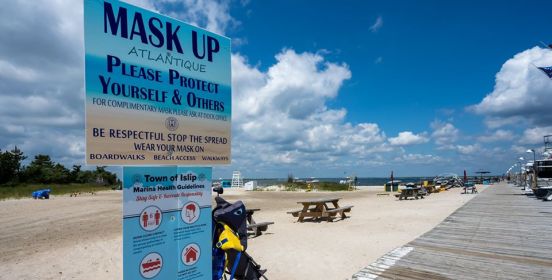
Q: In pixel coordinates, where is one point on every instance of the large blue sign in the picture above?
(158, 90)
(167, 223)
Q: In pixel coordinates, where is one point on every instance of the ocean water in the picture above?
(361, 181)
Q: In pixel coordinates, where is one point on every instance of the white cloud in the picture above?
(535, 135)
(497, 122)
(10, 71)
(468, 149)
(418, 159)
(238, 42)
(499, 135)
(517, 149)
(298, 85)
(146, 4)
(521, 92)
(447, 112)
(280, 115)
(406, 138)
(211, 15)
(444, 133)
(377, 25)
(521, 98)
(41, 78)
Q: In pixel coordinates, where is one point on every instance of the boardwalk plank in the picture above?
(497, 235)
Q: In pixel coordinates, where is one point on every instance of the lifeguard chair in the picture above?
(237, 181)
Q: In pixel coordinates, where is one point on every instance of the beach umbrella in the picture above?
(465, 176)
(392, 179)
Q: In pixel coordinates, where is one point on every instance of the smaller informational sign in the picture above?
(167, 223)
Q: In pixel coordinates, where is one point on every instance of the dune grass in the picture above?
(26, 190)
(321, 186)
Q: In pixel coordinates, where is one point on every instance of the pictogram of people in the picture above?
(157, 217)
(150, 218)
(145, 219)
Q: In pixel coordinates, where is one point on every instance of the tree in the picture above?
(43, 170)
(86, 176)
(100, 169)
(6, 174)
(60, 174)
(10, 165)
(105, 177)
(18, 158)
(74, 174)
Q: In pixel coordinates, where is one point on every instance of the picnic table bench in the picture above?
(255, 228)
(327, 208)
(469, 187)
(411, 192)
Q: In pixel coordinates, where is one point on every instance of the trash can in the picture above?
(392, 188)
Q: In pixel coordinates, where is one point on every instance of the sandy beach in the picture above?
(80, 238)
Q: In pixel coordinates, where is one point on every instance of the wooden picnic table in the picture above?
(321, 208)
(411, 192)
(256, 228)
(250, 213)
(469, 189)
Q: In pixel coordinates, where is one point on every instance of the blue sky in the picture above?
(434, 54)
(320, 88)
(412, 63)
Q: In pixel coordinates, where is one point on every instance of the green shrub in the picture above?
(332, 186)
(26, 190)
(321, 186)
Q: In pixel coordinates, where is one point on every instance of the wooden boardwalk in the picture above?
(500, 234)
